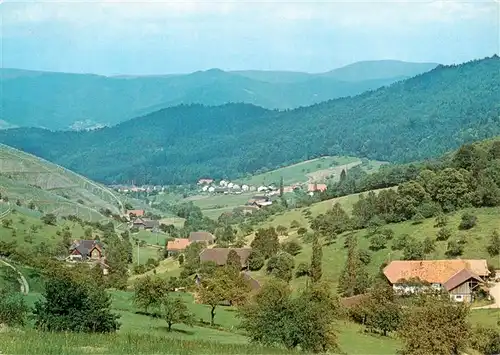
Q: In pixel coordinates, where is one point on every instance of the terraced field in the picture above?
(52, 188)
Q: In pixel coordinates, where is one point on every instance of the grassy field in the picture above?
(303, 172)
(21, 231)
(51, 187)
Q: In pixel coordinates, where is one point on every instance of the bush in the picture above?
(256, 260)
(454, 249)
(49, 219)
(74, 305)
(294, 224)
(13, 309)
(441, 221)
(468, 221)
(486, 340)
(281, 266)
(365, 256)
(418, 218)
(377, 242)
(400, 242)
(302, 270)
(443, 234)
(292, 247)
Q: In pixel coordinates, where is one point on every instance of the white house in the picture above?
(211, 189)
(245, 187)
(223, 183)
(230, 185)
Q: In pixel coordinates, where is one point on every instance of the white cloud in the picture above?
(150, 16)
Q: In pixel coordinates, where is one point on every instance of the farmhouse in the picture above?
(219, 255)
(201, 237)
(137, 213)
(205, 181)
(457, 277)
(245, 209)
(147, 224)
(316, 187)
(176, 246)
(83, 250)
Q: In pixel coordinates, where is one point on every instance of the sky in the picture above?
(111, 37)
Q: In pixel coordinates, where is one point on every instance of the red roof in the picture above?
(137, 213)
(178, 244)
(433, 271)
(316, 187)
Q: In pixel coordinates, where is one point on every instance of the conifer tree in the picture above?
(354, 278)
(317, 255)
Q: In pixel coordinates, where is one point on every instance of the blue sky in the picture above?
(156, 37)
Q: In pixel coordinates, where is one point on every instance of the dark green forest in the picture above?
(419, 118)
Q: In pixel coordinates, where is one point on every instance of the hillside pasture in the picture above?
(28, 178)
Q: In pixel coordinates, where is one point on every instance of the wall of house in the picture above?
(95, 254)
(462, 293)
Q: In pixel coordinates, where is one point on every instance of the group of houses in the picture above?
(228, 187)
(208, 254)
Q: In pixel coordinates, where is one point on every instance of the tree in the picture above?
(76, 305)
(282, 186)
(486, 340)
(294, 224)
(429, 245)
(494, 247)
(266, 241)
(413, 250)
(435, 325)
(226, 234)
(256, 260)
(281, 230)
(301, 231)
(303, 269)
(13, 308)
(149, 292)
(354, 278)
(441, 220)
(117, 258)
(31, 205)
(6, 222)
(223, 285)
(377, 242)
(87, 233)
(49, 219)
(175, 311)
(281, 266)
(233, 260)
(468, 221)
(292, 247)
(317, 254)
(364, 256)
(454, 249)
(383, 310)
(443, 234)
(275, 317)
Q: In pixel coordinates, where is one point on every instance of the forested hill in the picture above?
(64, 101)
(419, 118)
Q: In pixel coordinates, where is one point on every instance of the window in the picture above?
(459, 297)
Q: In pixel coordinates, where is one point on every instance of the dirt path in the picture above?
(495, 293)
(25, 288)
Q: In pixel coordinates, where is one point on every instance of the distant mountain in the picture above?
(379, 69)
(388, 70)
(418, 118)
(64, 101)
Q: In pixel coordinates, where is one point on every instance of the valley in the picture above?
(344, 211)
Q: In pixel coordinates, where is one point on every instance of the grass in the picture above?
(297, 173)
(59, 190)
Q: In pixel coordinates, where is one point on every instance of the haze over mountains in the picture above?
(414, 119)
(62, 101)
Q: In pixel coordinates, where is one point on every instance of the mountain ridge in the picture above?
(410, 120)
(63, 100)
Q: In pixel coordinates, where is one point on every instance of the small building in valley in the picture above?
(176, 246)
(83, 250)
(219, 255)
(457, 277)
(202, 237)
(136, 213)
(146, 224)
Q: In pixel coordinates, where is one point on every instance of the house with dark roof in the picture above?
(147, 224)
(83, 250)
(219, 255)
(201, 237)
(460, 278)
